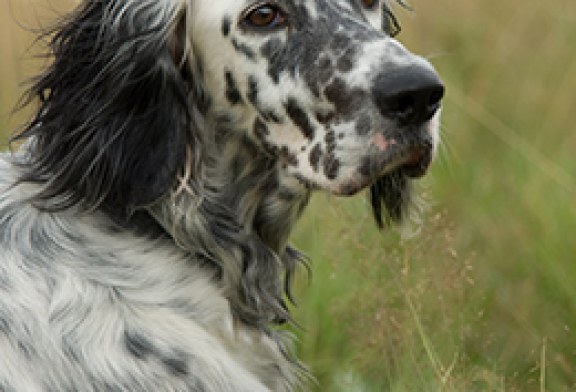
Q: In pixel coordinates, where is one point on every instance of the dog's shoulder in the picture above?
(88, 305)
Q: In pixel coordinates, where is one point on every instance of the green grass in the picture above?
(483, 297)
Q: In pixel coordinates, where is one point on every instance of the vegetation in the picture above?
(480, 296)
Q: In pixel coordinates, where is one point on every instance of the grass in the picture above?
(482, 298)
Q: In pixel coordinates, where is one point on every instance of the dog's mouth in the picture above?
(391, 192)
(416, 162)
(388, 177)
(412, 163)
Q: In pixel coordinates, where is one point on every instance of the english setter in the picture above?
(145, 216)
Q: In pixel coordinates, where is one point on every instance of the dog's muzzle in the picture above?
(410, 96)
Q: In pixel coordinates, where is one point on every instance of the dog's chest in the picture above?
(87, 308)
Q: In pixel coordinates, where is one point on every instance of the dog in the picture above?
(145, 210)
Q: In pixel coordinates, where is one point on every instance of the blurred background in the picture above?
(481, 295)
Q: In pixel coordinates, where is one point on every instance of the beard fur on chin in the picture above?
(390, 198)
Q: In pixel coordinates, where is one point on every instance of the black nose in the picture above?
(410, 94)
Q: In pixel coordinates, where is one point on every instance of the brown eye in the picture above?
(267, 16)
(370, 4)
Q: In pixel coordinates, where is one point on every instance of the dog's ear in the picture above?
(115, 122)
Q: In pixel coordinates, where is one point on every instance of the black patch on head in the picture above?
(271, 50)
(270, 115)
(314, 157)
(226, 22)
(390, 196)
(330, 140)
(331, 166)
(300, 118)
(252, 90)
(311, 41)
(325, 118)
(271, 47)
(267, 114)
(335, 92)
(244, 49)
(347, 101)
(363, 125)
(232, 93)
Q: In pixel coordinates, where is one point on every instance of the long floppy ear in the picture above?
(114, 124)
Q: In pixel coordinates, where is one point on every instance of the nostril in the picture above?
(413, 107)
(402, 103)
(436, 95)
(432, 105)
(400, 106)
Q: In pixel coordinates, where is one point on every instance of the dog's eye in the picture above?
(370, 4)
(267, 16)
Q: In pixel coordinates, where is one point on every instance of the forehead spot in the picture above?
(314, 157)
(330, 140)
(300, 118)
(324, 118)
(346, 101)
(270, 115)
(252, 89)
(232, 93)
(270, 47)
(226, 23)
(244, 49)
(271, 51)
(331, 166)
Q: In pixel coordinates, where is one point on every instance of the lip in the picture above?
(413, 163)
(416, 163)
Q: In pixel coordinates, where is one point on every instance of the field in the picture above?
(481, 295)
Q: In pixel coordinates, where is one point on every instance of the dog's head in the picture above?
(323, 86)
(319, 86)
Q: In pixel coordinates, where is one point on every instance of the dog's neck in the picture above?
(267, 202)
(238, 220)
